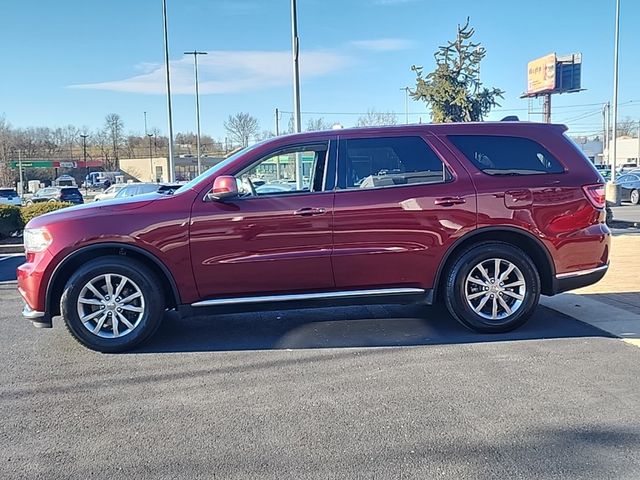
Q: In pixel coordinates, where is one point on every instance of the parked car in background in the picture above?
(110, 192)
(57, 194)
(65, 181)
(133, 189)
(9, 196)
(630, 187)
(483, 216)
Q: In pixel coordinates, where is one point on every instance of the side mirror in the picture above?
(224, 187)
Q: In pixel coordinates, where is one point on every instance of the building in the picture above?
(156, 169)
(627, 152)
(591, 148)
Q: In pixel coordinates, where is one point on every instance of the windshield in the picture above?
(212, 171)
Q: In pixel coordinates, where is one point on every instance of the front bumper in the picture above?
(582, 278)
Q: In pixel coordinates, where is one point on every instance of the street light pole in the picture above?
(86, 167)
(406, 104)
(153, 177)
(172, 170)
(21, 177)
(195, 54)
(614, 127)
(295, 47)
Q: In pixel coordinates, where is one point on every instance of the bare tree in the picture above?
(373, 118)
(114, 126)
(241, 127)
(6, 145)
(627, 127)
(315, 124)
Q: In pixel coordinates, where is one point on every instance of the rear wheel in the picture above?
(635, 197)
(492, 287)
(112, 304)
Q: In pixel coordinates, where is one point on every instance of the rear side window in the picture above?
(6, 193)
(70, 191)
(498, 155)
(388, 162)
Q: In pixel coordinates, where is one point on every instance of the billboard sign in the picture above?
(541, 74)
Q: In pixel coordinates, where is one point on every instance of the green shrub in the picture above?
(10, 220)
(36, 209)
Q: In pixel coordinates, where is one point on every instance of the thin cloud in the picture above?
(384, 44)
(227, 72)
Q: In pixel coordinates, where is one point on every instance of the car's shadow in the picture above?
(372, 326)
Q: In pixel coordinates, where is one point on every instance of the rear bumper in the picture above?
(39, 319)
(572, 280)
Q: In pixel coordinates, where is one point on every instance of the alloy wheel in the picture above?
(495, 289)
(111, 305)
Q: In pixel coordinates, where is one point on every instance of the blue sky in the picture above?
(74, 61)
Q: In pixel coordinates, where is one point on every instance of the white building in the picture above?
(627, 152)
(591, 148)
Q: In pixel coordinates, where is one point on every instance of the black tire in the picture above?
(634, 198)
(144, 279)
(455, 287)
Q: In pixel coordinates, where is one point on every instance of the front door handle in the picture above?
(449, 201)
(308, 211)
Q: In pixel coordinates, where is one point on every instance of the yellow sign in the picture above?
(541, 74)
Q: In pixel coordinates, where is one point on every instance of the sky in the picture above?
(75, 61)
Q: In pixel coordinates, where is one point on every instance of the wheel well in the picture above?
(59, 280)
(538, 253)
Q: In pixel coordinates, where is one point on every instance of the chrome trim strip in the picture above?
(308, 296)
(580, 273)
(31, 314)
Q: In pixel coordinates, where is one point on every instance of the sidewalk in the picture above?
(613, 304)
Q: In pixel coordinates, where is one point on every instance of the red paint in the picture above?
(339, 239)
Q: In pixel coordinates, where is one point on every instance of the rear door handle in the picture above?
(449, 201)
(308, 211)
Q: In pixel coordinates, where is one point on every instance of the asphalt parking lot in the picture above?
(375, 392)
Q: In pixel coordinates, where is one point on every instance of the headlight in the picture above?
(36, 240)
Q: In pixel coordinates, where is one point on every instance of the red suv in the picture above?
(485, 217)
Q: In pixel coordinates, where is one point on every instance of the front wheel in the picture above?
(492, 287)
(112, 304)
(635, 197)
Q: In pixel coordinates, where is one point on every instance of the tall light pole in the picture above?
(195, 54)
(295, 48)
(406, 104)
(614, 127)
(84, 156)
(172, 170)
(153, 177)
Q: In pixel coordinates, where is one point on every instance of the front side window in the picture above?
(500, 155)
(295, 170)
(389, 162)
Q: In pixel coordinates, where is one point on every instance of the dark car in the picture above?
(57, 194)
(630, 187)
(483, 216)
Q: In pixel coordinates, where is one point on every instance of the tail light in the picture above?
(596, 195)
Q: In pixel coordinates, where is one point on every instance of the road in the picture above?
(627, 213)
(376, 392)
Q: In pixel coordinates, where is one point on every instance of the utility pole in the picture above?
(145, 123)
(546, 107)
(21, 176)
(195, 54)
(605, 128)
(172, 169)
(277, 123)
(295, 47)
(86, 167)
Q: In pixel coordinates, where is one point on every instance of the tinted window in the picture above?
(392, 161)
(8, 193)
(148, 188)
(70, 191)
(498, 155)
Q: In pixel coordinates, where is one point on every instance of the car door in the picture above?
(398, 206)
(274, 242)
(625, 182)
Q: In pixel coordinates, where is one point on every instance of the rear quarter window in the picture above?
(502, 155)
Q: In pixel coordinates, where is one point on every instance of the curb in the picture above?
(15, 248)
(616, 321)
